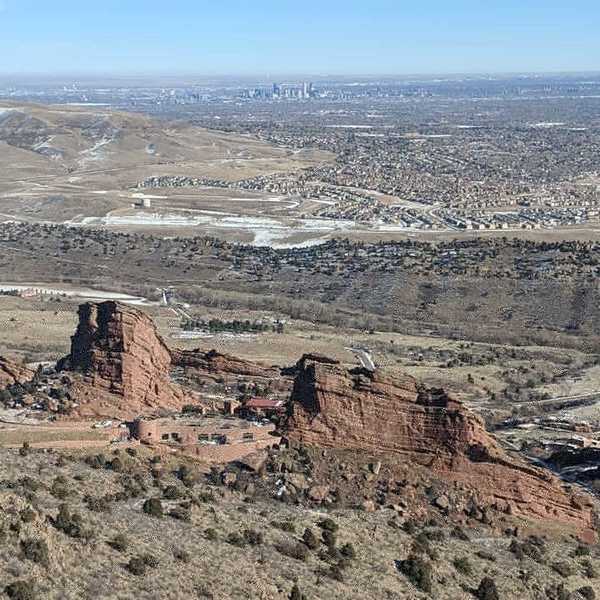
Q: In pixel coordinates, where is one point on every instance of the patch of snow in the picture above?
(328, 202)
(44, 144)
(267, 231)
(148, 197)
(94, 153)
(87, 293)
(198, 335)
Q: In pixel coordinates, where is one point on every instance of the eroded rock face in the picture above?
(12, 372)
(333, 407)
(216, 363)
(124, 362)
(214, 366)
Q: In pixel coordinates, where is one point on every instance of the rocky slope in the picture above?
(333, 407)
(12, 372)
(213, 366)
(123, 361)
(215, 363)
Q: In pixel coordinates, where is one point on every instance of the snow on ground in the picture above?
(148, 197)
(45, 144)
(87, 293)
(198, 335)
(291, 206)
(545, 124)
(271, 239)
(94, 153)
(149, 220)
(211, 212)
(267, 231)
(328, 202)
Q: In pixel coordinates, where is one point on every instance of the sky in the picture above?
(319, 37)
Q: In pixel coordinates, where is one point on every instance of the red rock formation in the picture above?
(354, 409)
(213, 366)
(124, 361)
(12, 372)
(217, 364)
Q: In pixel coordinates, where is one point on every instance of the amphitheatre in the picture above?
(118, 374)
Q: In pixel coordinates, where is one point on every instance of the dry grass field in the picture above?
(72, 164)
(36, 331)
(476, 372)
(227, 544)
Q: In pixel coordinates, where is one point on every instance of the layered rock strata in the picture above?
(333, 407)
(124, 362)
(214, 366)
(218, 364)
(12, 372)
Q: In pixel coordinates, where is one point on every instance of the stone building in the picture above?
(212, 439)
(261, 407)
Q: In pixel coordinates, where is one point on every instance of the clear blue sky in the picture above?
(262, 37)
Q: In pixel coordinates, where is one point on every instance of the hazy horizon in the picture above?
(140, 79)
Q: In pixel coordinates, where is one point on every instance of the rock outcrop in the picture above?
(123, 361)
(214, 366)
(215, 363)
(333, 407)
(12, 372)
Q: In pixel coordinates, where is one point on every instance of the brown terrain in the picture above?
(119, 368)
(389, 459)
(213, 365)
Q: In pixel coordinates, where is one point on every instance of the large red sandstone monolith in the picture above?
(118, 350)
(334, 407)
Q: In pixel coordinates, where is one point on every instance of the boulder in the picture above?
(214, 364)
(228, 478)
(442, 502)
(318, 493)
(12, 372)
(368, 506)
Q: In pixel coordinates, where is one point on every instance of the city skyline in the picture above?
(269, 40)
